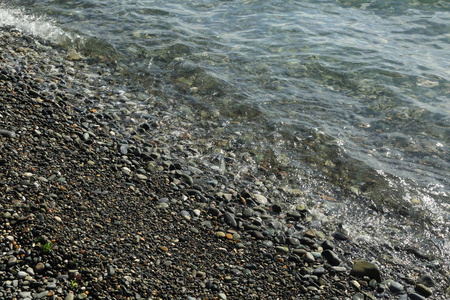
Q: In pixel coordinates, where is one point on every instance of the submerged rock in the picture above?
(363, 268)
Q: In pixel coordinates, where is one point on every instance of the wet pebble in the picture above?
(396, 287)
(7, 133)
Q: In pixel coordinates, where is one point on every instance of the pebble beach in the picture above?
(97, 202)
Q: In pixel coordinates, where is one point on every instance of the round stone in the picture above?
(21, 274)
(39, 267)
(396, 287)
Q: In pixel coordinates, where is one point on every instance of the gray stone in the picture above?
(396, 287)
(292, 241)
(51, 286)
(123, 149)
(294, 214)
(141, 177)
(7, 133)
(111, 270)
(339, 269)
(21, 274)
(40, 295)
(260, 199)
(25, 294)
(358, 296)
(363, 268)
(248, 212)
(319, 271)
(230, 220)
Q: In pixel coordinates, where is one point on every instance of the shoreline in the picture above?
(96, 205)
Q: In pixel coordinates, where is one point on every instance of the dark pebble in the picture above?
(276, 208)
(319, 271)
(331, 257)
(423, 290)
(340, 236)
(7, 133)
(307, 241)
(230, 220)
(414, 296)
(362, 268)
(214, 211)
(257, 235)
(328, 245)
(396, 287)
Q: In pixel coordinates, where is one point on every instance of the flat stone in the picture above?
(292, 241)
(230, 220)
(328, 245)
(220, 234)
(319, 271)
(363, 268)
(339, 269)
(7, 133)
(423, 290)
(51, 286)
(294, 214)
(414, 296)
(282, 249)
(141, 177)
(396, 287)
(248, 212)
(25, 294)
(21, 274)
(260, 199)
(213, 211)
(331, 257)
(126, 170)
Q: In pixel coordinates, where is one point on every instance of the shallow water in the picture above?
(339, 95)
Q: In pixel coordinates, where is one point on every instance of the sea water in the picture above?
(339, 95)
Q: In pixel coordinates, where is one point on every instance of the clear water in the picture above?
(356, 92)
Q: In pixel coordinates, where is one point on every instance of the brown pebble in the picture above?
(39, 267)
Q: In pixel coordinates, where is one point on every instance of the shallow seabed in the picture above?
(343, 104)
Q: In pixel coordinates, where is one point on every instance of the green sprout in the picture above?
(47, 248)
(73, 284)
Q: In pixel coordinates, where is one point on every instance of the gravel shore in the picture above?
(98, 204)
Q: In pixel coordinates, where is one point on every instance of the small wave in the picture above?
(31, 24)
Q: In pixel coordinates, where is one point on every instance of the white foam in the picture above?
(31, 24)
